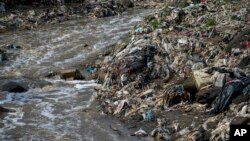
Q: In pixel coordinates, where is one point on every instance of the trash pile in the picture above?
(52, 12)
(105, 8)
(29, 19)
(193, 59)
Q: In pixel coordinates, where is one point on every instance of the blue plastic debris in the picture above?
(89, 69)
(149, 115)
(139, 30)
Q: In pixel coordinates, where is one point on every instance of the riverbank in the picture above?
(30, 16)
(175, 69)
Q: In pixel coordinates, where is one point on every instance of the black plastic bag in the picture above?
(228, 92)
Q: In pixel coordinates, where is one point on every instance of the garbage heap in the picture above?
(30, 19)
(193, 59)
(30, 15)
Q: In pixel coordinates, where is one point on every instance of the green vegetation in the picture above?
(154, 24)
(211, 22)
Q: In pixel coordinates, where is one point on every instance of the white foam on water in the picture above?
(63, 93)
(8, 98)
(60, 38)
(18, 98)
(136, 19)
(11, 121)
(84, 86)
(71, 81)
(47, 110)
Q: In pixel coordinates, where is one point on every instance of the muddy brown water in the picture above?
(54, 112)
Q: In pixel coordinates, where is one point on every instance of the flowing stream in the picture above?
(55, 112)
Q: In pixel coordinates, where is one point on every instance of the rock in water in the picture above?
(4, 110)
(14, 87)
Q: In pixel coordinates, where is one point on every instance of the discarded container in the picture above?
(71, 74)
(201, 78)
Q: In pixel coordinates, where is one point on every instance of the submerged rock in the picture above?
(4, 110)
(14, 87)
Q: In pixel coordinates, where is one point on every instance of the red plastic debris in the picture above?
(246, 44)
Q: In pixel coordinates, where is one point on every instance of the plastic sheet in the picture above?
(229, 91)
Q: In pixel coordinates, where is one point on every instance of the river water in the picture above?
(55, 112)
